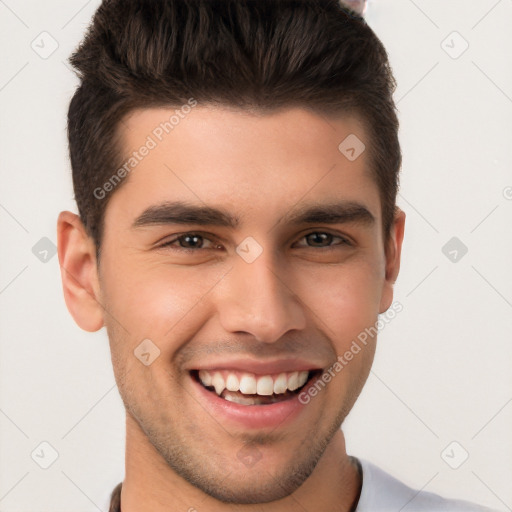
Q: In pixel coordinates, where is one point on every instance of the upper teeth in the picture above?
(250, 384)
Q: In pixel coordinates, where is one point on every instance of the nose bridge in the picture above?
(257, 300)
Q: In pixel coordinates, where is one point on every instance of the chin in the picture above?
(255, 486)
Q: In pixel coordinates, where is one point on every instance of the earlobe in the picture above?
(393, 254)
(77, 259)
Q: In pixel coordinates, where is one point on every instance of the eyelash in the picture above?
(169, 244)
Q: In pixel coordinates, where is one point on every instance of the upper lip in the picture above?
(261, 367)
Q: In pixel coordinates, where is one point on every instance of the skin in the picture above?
(309, 302)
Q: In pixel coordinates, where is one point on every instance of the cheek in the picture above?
(345, 299)
(345, 303)
(156, 301)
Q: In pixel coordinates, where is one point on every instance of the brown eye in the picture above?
(191, 241)
(323, 239)
(319, 239)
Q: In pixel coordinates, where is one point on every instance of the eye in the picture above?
(191, 242)
(197, 241)
(322, 239)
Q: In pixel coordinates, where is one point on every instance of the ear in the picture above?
(77, 259)
(393, 251)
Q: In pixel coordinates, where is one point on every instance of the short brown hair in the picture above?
(252, 54)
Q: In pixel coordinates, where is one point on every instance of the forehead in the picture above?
(250, 161)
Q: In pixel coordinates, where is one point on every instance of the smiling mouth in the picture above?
(250, 389)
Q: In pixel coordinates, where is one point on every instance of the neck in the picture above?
(151, 485)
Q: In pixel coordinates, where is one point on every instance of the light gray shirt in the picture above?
(381, 492)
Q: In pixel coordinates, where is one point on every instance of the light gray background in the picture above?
(442, 369)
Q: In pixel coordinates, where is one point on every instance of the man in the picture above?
(235, 166)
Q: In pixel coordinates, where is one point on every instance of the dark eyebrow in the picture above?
(339, 212)
(178, 212)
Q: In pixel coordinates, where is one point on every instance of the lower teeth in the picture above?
(239, 398)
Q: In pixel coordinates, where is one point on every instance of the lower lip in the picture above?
(251, 416)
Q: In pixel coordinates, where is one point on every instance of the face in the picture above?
(248, 249)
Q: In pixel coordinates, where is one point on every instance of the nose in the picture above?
(255, 298)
